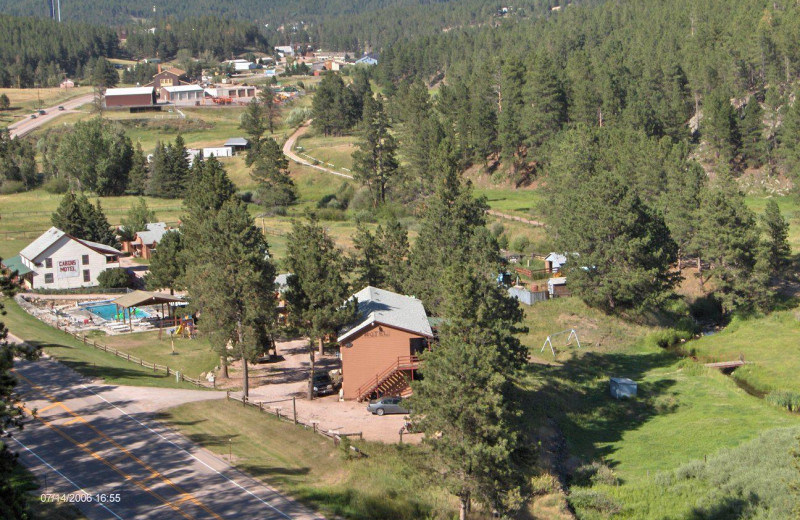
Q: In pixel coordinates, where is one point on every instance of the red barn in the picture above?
(130, 97)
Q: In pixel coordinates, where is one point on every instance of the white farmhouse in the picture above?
(57, 260)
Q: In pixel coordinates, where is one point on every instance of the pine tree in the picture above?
(754, 147)
(483, 117)
(138, 175)
(465, 402)
(168, 263)
(393, 244)
(255, 124)
(76, 216)
(453, 226)
(720, 123)
(236, 302)
(545, 103)
(5, 103)
(169, 170)
(104, 74)
(368, 267)
(210, 190)
(680, 202)
(13, 499)
(374, 162)
(512, 105)
(728, 239)
(271, 173)
(419, 136)
(776, 230)
(789, 139)
(317, 290)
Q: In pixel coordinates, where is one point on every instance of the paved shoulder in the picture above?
(98, 445)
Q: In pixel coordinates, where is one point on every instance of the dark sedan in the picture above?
(386, 405)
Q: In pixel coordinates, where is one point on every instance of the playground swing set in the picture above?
(549, 340)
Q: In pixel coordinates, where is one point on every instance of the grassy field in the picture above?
(192, 356)
(771, 344)
(81, 358)
(385, 484)
(26, 100)
(333, 152)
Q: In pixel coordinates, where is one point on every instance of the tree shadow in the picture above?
(576, 396)
(728, 508)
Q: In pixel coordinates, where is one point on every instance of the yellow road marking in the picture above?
(186, 496)
(50, 407)
(75, 420)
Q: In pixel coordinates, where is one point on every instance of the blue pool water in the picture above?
(108, 311)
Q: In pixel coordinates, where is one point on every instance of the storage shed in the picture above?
(622, 387)
(130, 97)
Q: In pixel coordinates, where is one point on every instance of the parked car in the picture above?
(386, 405)
(42, 112)
(33, 116)
(60, 107)
(323, 384)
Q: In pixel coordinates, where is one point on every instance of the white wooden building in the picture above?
(57, 260)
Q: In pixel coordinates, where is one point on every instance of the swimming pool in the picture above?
(108, 311)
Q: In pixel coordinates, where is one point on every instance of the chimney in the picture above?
(159, 68)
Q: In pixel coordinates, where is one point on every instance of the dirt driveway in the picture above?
(289, 378)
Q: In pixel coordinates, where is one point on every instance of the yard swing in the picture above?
(572, 333)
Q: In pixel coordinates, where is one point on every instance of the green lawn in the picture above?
(525, 203)
(385, 484)
(771, 343)
(81, 358)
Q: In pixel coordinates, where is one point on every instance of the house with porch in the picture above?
(57, 260)
(379, 350)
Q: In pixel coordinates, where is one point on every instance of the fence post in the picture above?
(294, 408)
(167, 369)
(261, 406)
(129, 356)
(227, 395)
(84, 339)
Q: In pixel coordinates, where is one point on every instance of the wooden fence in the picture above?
(291, 416)
(155, 367)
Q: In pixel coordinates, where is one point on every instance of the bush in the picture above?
(502, 242)
(56, 185)
(706, 309)
(297, 116)
(331, 214)
(497, 229)
(115, 279)
(520, 244)
(361, 200)
(581, 498)
(246, 196)
(11, 187)
(594, 473)
(666, 338)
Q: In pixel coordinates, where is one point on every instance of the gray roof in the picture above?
(154, 232)
(391, 309)
(236, 141)
(40, 245)
(282, 281)
(53, 235)
(556, 258)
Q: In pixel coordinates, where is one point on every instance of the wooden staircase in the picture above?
(392, 381)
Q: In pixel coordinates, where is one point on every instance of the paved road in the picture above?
(27, 125)
(89, 439)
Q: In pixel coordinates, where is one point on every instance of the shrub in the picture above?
(502, 242)
(520, 243)
(297, 116)
(56, 185)
(246, 196)
(544, 484)
(11, 187)
(666, 338)
(594, 473)
(497, 229)
(362, 199)
(331, 214)
(115, 279)
(581, 498)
